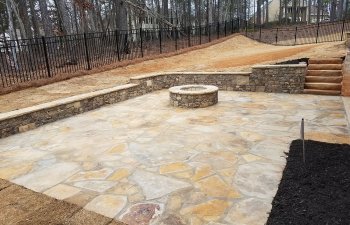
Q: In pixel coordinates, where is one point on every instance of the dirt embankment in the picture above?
(235, 54)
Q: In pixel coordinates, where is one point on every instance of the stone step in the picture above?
(323, 86)
(325, 67)
(321, 92)
(324, 73)
(323, 79)
(326, 61)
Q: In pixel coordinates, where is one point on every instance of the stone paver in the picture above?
(146, 162)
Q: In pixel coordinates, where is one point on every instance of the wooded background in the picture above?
(34, 18)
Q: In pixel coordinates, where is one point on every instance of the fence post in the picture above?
(276, 35)
(218, 30)
(46, 57)
(225, 28)
(160, 40)
(189, 36)
(342, 31)
(87, 52)
(117, 33)
(176, 34)
(260, 34)
(141, 41)
(209, 28)
(200, 34)
(318, 27)
(295, 35)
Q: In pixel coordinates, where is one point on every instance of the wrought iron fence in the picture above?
(300, 34)
(26, 60)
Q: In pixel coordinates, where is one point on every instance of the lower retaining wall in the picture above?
(29, 118)
(228, 81)
(281, 78)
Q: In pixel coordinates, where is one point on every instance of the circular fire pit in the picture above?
(193, 96)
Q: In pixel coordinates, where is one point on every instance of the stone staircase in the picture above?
(324, 76)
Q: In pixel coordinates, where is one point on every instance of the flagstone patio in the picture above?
(143, 161)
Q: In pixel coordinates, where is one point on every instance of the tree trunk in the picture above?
(309, 11)
(23, 13)
(165, 7)
(34, 18)
(340, 10)
(286, 11)
(267, 11)
(122, 15)
(64, 16)
(258, 12)
(19, 19)
(318, 10)
(12, 34)
(45, 18)
(333, 10)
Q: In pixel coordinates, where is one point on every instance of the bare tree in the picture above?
(45, 18)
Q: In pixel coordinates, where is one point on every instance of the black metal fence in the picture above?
(26, 60)
(300, 34)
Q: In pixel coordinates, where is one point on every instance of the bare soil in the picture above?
(22, 206)
(235, 54)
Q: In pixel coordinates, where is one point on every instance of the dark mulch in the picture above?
(317, 192)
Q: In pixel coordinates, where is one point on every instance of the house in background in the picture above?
(302, 12)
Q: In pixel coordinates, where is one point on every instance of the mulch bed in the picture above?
(317, 192)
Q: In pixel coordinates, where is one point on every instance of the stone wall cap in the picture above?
(63, 101)
(150, 75)
(201, 89)
(279, 66)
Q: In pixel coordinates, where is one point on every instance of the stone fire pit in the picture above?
(193, 96)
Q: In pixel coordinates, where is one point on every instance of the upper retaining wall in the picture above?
(278, 78)
(263, 78)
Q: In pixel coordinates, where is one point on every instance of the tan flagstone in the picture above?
(120, 148)
(107, 205)
(327, 137)
(251, 157)
(184, 175)
(249, 211)
(11, 172)
(91, 175)
(174, 203)
(202, 171)
(66, 129)
(195, 221)
(215, 187)
(124, 189)
(40, 180)
(196, 197)
(81, 198)
(119, 174)
(227, 174)
(138, 197)
(174, 167)
(251, 136)
(95, 185)
(62, 191)
(209, 211)
(156, 186)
